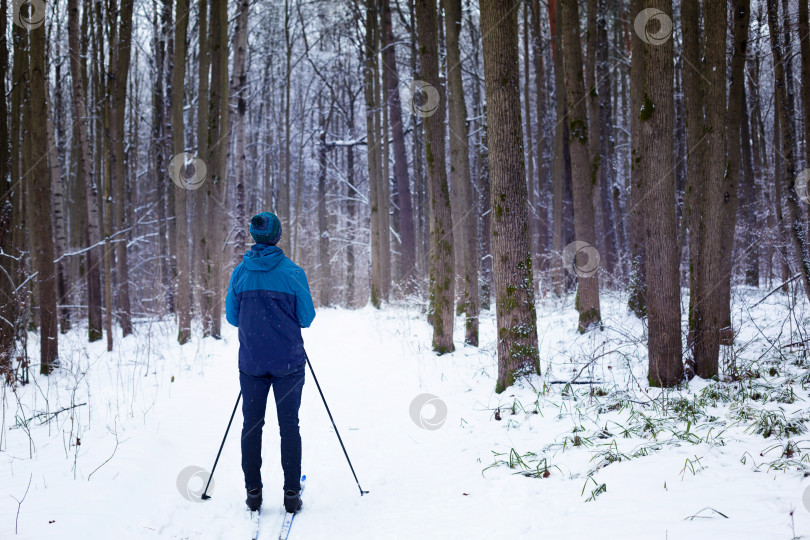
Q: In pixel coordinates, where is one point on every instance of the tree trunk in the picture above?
(442, 286)
(40, 192)
(795, 225)
(638, 279)
(804, 44)
(561, 151)
(201, 195)
(740, 10)
(528, 135)
(405, 226)
(543, 181)
(374, 150)
(655, 162)
(460, 181)
(583, 264)
(514, 288)
(59, 223)
(708, 312)
(239, 89)
(7, 292)
(219, 142)
(85, 176)
(119, 66)
(182, 278)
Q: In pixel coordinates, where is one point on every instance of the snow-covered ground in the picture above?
(541, 460)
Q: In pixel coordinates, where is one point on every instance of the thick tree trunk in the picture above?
(219, 142)
(655, 162)
(442, 286)
(708, 313)
(40, 192)
(461, 184)
(183, 277)
(514, 288)
(584, 266)
(85, 176)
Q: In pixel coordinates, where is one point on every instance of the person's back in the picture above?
(269, 301)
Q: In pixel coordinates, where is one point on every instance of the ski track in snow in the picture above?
(424, 483)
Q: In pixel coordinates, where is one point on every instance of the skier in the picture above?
(269, 301)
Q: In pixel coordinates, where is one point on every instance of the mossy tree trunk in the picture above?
(655, 164)
(583, 181)
(514, 288)
(442, 286)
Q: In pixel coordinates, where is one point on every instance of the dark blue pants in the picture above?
(287, 388)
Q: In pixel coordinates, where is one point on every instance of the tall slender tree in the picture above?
(442, 286)
(587, 281)
(182, 276)
(460, 181)
(39, 184)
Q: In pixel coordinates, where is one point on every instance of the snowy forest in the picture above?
(558, 252)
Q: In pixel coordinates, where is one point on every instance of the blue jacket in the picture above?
(269, 301)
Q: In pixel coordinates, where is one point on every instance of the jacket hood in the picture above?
(263, 257)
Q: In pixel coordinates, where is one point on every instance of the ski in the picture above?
(255, 519)
(288, 517)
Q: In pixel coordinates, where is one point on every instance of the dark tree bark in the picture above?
(655, 163)
(708, 313)
(7, 292)
(542, 224)
(39, 182)
(514, 288)
(587, 302)
(740, 11)
(119, 74)
(442, 286)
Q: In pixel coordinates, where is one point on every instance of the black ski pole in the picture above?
(205, 495)
(334, 426)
